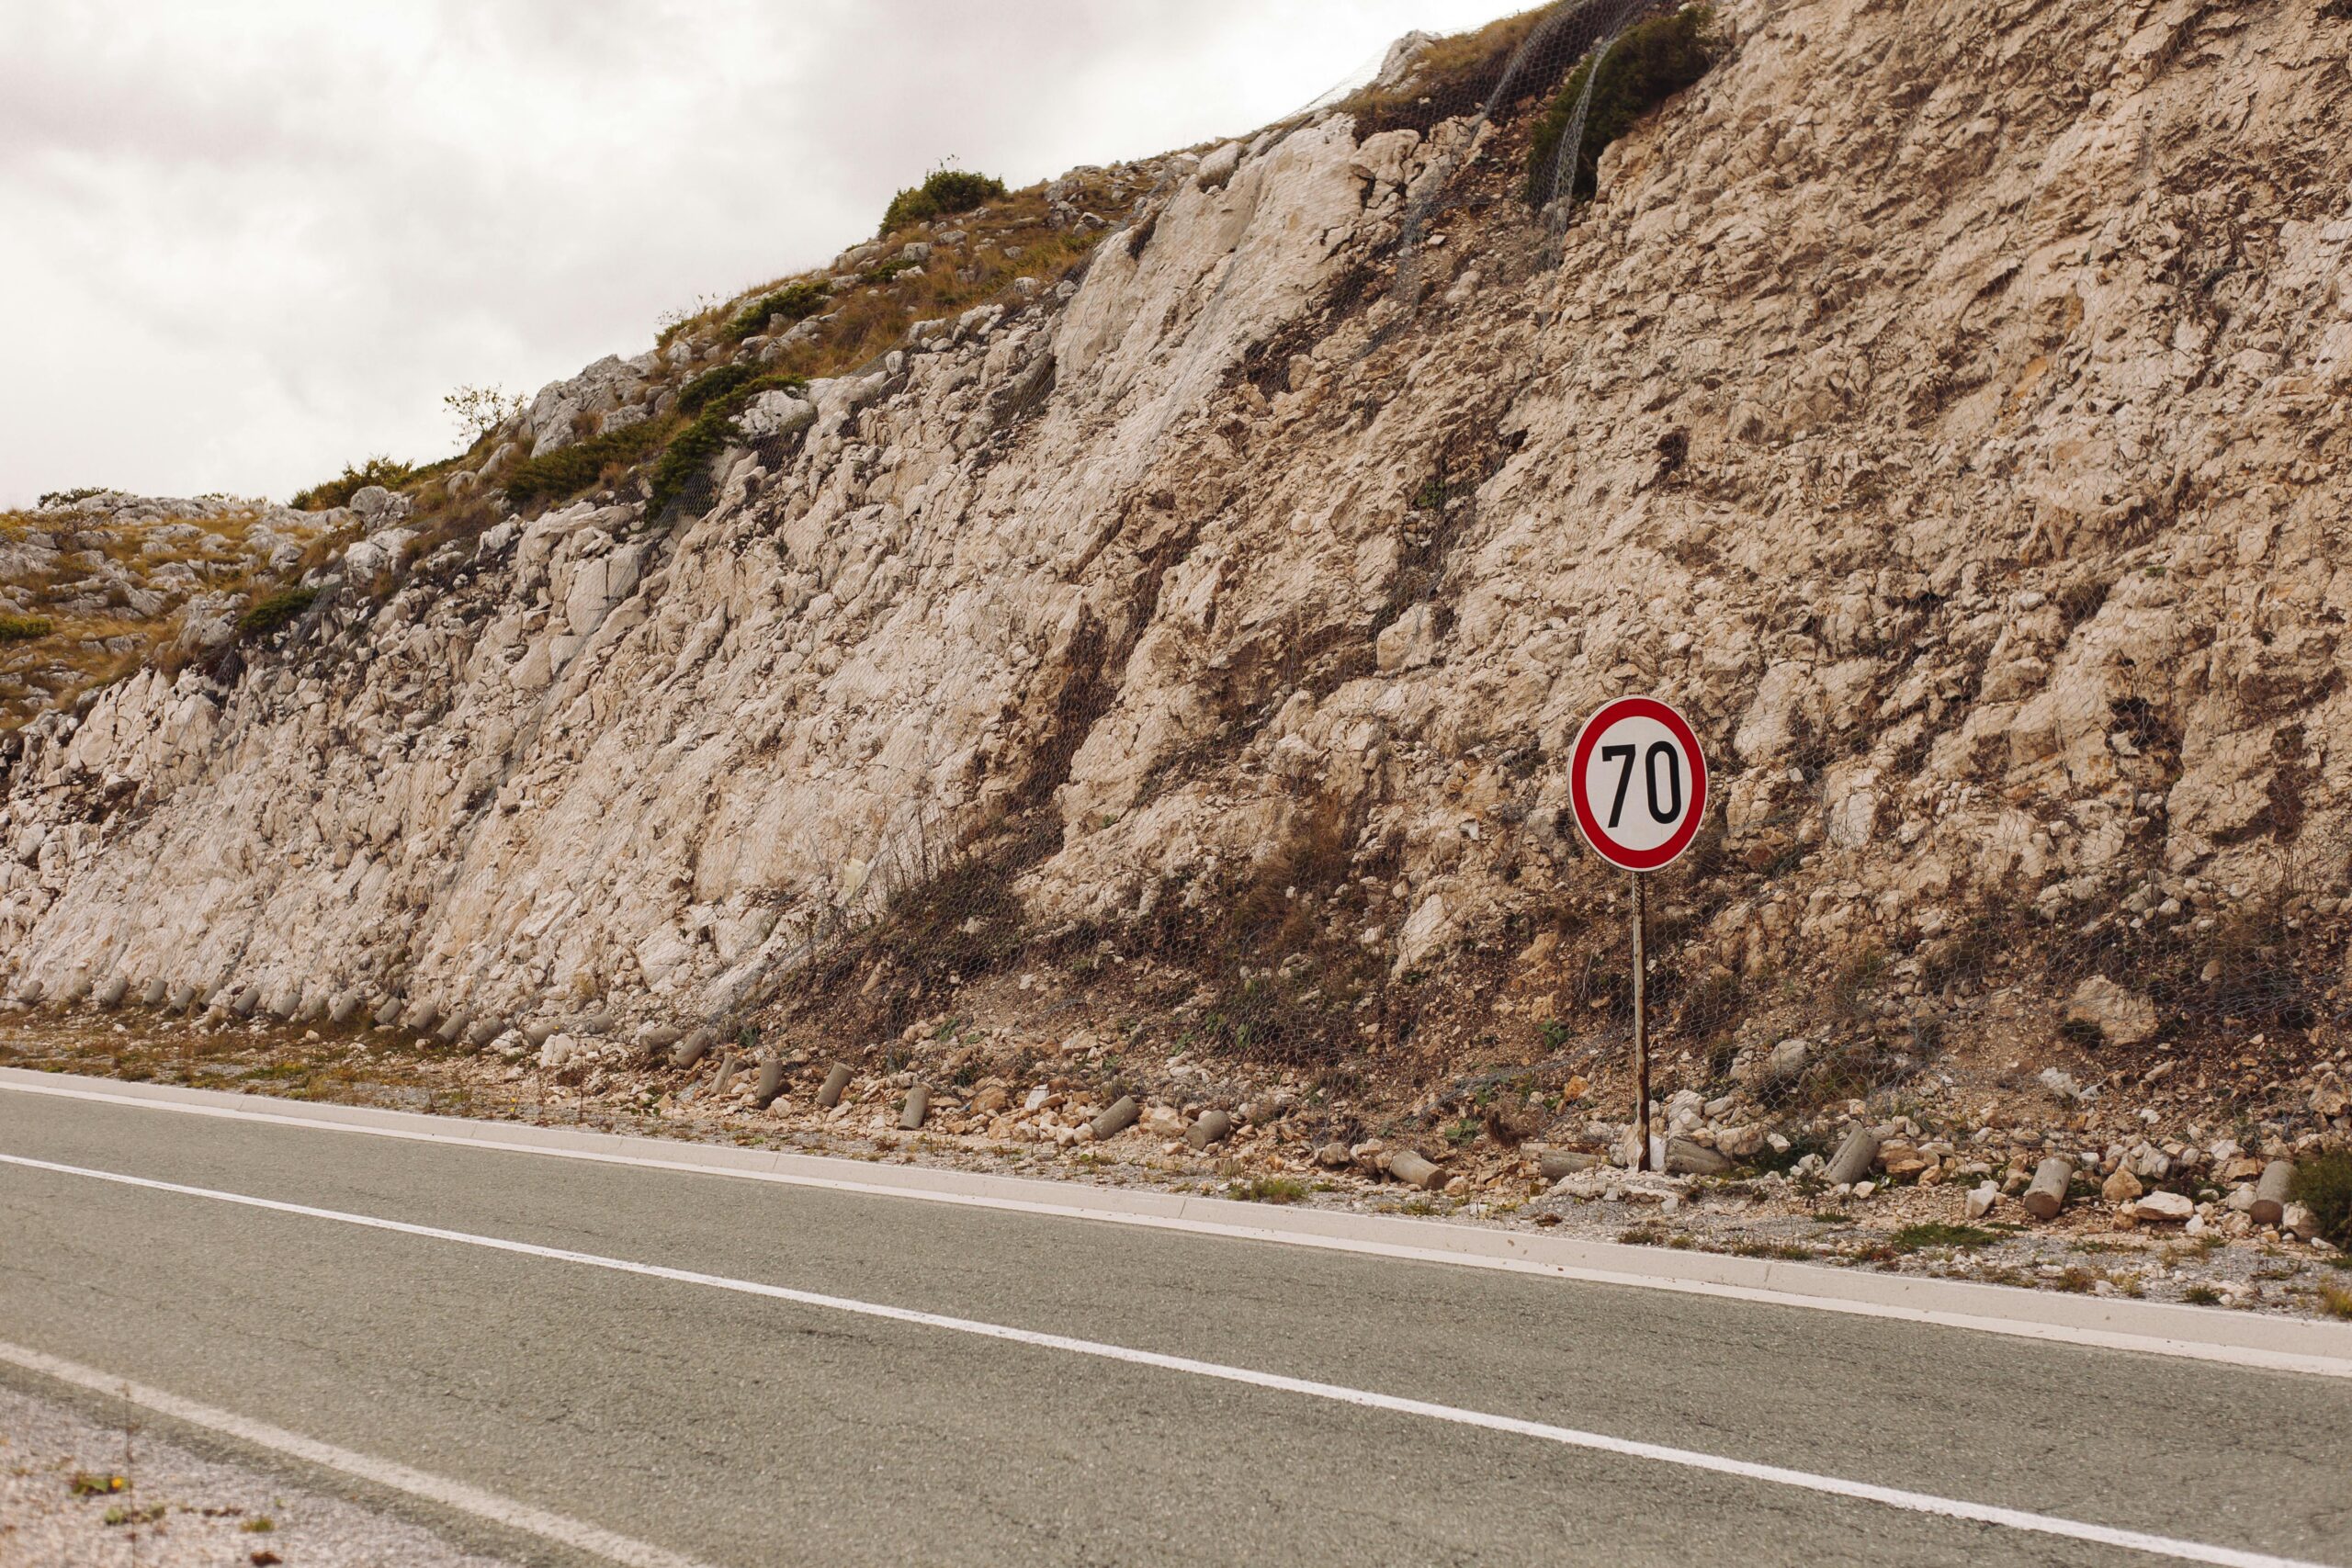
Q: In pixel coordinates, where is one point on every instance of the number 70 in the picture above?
(1659, 748)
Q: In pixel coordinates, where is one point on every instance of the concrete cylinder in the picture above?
(537, 1032)
(2272, 1191)
(152, 993)
(918, 1106)
(691, 1049)
(110, 994)
(421, 1017)
(2048, 1194)
(1117, 1120)
(452, 1030)
(182, 996)
(1213, 1127)
(389, 1012)
(1414, 1171)
(726, 1074)
(345, 1008)
(836, 1082)
(482, 1030)
(1853, 1159)
(771, 1084)
(1553, 1164)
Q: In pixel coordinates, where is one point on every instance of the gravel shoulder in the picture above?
(79, 1490)
(1040, 1122)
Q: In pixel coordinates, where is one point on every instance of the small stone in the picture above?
(2120, 1187)
(2168, 1208)
(1981, 1200)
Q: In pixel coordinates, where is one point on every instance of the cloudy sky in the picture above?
(242, 243)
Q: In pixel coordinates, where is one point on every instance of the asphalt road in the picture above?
(743, 1429)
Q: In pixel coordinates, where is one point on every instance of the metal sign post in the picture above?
(1629, 740)
(1640, 1023)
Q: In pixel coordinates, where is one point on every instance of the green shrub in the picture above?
(568, 470)
(2323, 1185)
(1650, 63)
(338, 492)
(712, 432)
(794, 303)
(68, 497)
(272, 611)
(943, 191)
(23, 628)
(713, 385)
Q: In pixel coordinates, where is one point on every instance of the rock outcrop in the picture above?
(1945, 407)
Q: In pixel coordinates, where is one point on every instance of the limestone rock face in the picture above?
(1944, 406)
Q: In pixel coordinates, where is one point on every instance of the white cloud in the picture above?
(246, 243)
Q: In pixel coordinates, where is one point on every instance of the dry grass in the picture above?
(91, 633)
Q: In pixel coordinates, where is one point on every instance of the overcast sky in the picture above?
(241, 243)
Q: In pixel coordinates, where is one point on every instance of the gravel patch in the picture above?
(77, 1494)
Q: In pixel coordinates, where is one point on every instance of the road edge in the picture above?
(2117, 1323)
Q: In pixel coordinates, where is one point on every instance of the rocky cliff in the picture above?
(1945, 406)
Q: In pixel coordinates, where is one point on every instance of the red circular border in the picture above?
(1589, 736)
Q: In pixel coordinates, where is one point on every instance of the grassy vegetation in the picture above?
(1652, 61)
(271, 611)
(24, 628)
(943, 191)
(1267, 1190)
(794, 302)
(568, 470)
(2323, 1184)
(712, 432)
(1456, 74)
(1915, 1238)
(338, 491)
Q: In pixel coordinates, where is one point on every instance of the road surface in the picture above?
(733, 1372)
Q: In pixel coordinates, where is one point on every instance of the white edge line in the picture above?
(453, 1494)
(1566, 1436)
(2254, 1356)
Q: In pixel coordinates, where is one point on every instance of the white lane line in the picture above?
(1762, 1295)
(1567, 1437)
(449, 1493)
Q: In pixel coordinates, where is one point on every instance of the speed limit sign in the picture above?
(1639, 783)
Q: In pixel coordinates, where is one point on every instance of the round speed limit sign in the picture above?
(1639, 783)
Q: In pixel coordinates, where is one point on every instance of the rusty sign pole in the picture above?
(1640, 1023)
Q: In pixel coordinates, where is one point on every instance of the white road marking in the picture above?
(449, 1493)
(1941, 1317)
(1567, 1437)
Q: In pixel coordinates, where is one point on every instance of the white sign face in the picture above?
(1639, 783)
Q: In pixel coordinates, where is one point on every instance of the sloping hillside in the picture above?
(1175, 648)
